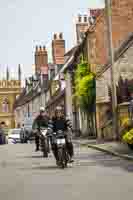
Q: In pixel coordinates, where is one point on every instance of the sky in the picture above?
(27, 23)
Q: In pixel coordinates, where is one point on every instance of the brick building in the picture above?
(122, 27)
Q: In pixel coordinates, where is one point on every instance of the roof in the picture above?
(55, 98)
(126, 44)
(72, 50)
(25, 98)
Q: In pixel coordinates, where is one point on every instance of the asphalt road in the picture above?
(25, 175)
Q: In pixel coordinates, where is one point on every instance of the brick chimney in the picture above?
(41, 58)
(58, 49)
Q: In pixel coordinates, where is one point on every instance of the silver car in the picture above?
(14, 136)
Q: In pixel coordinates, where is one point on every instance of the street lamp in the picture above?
(111, 56)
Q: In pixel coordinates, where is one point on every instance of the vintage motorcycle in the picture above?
(63, 156)
(44, 142)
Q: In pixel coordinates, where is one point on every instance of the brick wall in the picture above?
(122, 25)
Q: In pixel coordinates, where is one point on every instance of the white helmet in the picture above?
(42, 109)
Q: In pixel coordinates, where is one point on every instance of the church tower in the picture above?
(19, 73)
(10, 88)
(7, 74)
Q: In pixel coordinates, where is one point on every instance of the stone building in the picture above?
(9, 91)
(26, 107)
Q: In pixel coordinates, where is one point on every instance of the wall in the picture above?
(124, 69)
(122, 25)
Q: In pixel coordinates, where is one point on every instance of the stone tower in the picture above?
(19, 73)
(7, 74)
(9, 90)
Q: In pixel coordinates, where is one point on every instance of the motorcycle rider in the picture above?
(41, 120)
(59, 122)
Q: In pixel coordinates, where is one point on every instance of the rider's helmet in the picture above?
(59, 109)
(42, 109)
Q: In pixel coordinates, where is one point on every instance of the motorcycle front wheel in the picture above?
(62, 155)
(45, 149)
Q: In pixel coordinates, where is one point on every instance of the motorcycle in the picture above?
(63, 156)
(44, 142)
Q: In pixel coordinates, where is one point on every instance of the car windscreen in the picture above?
(15, 132)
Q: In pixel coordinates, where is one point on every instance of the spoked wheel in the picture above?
(45, 154)
(63, 157)
(45, 149)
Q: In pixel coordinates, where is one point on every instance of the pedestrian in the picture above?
(2, 133)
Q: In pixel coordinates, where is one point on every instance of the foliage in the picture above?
(128, 137)
(125, 122)
(85, 87)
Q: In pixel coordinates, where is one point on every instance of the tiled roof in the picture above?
(55, 98)
(26, 97)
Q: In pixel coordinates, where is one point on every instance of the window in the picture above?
(5, 105)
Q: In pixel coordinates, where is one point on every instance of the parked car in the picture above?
(14, 136)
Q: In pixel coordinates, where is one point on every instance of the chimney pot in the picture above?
(61, 36)
(36, 48)
(79, 18)
(55, 36)
(85, 18)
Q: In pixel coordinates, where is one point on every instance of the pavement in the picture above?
(95, 175)
(114, 148)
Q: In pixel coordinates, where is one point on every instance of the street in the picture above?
(25, 175)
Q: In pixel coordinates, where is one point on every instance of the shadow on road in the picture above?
(32, 156)
(103, 159)
(45, 167)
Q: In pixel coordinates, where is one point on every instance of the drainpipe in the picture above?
(69, 110)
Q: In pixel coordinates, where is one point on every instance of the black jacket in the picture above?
(60, 124)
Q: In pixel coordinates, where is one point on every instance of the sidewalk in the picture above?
(114, 148)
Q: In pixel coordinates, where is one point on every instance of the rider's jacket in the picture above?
(40, 121)
(60, 124)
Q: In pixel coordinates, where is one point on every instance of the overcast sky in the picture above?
(26, 23)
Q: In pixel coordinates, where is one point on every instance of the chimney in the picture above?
(82, 25)
(95, 12)
(58, 49)
(41, 59)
